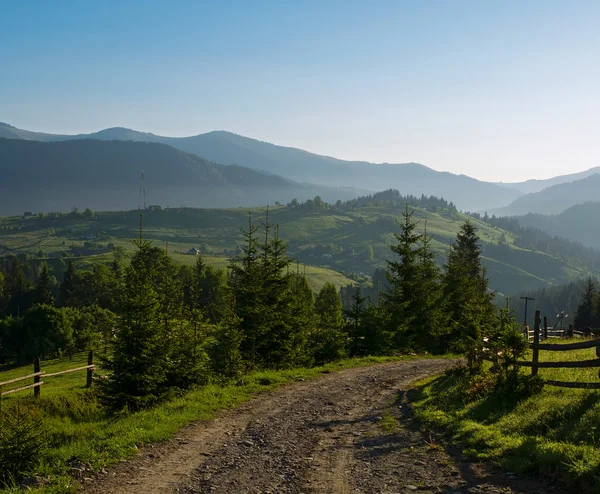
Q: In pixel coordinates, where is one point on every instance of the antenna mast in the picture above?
(142, 193)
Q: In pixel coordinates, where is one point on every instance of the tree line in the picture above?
(168, 327)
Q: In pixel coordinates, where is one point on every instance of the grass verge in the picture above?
(551, 432)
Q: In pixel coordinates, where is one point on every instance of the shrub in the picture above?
(21, 440)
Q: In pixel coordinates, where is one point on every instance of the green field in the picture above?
(551, 433)
(341, 246)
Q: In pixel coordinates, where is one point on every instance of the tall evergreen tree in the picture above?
(587, 311)
(43, 288)
(302, 320)
(430, 317)
(68, 285)
(354, 323)
(247, 287)
(470, 306)
(405, 277)
(138, 364)
(329, 340)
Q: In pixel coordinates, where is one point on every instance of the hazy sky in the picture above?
(500, 90)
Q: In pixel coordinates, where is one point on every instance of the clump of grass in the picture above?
(388, 422)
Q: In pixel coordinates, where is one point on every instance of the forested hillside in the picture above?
(341, 241)
(579, 223)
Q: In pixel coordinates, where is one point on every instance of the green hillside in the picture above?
(338, 244)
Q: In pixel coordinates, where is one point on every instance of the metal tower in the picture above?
(142, 193)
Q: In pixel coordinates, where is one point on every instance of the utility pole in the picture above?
(527, 299)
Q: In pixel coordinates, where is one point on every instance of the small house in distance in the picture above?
(193, 252)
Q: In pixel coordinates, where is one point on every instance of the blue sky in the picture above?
(499, 90)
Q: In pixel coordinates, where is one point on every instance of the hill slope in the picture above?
(55, 176)
(352, 241)
(579, 223)
(296, 164)
(532, 186)
(554, 199)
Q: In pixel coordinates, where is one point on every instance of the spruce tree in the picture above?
(67, 287)
(302, 320)
(247, 288)
(43, 288)
(354, 323)
(209, 290)
(587, 311)
(430, 316)
(470, 306)
(277, 344)
(138, 365)
(405, 277)
(329, 340)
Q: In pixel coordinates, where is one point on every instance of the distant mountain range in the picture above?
(301, 166)
(579, 223)
(106, 175)
(555, 199)
(297, 166)
(532, 186)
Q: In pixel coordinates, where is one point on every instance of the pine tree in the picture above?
(302, 320)
(405, 277)
(138, 365)
(470, 306)
(225, 352)
(247, 288)
(329, 340)
(277, 345)
(43, 288)
(67, 287)
(355, 318)
(430, 316)
(209, 290)
(587, 311)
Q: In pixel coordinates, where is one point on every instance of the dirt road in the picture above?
(345, 432)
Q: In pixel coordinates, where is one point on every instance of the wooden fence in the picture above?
(38, 374)
(535, 364)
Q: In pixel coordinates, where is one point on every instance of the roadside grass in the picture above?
(78, 431)
(552, 433)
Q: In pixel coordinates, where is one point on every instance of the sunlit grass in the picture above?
(553, 432)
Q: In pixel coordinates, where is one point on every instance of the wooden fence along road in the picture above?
(38, 374)
(535, 364)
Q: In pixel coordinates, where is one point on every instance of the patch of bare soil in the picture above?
(346, 432)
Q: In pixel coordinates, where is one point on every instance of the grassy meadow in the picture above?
(552, 432)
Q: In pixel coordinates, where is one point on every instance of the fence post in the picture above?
(36, 379)
(536, 341)
(90, 372)
(545, 328)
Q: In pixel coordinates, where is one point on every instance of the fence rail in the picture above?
(38, 373)
(535, 363)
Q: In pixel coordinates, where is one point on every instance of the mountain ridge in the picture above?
(554, 199)
(303, 166)
(48, 176)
